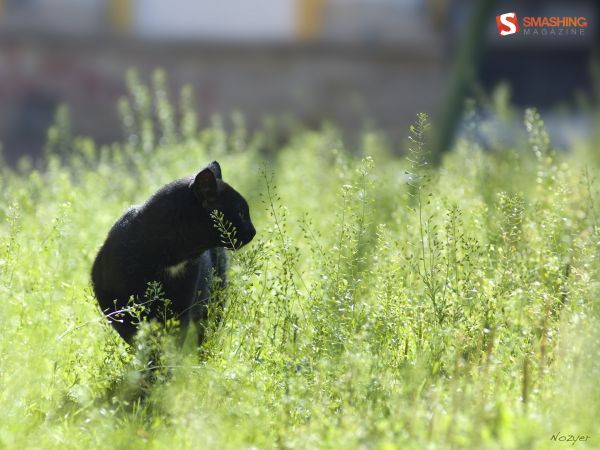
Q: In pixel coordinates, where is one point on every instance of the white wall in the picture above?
(219, 20)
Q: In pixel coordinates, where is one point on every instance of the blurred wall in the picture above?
(311, 83)
(342, 60)
(312, 59)
(257, 20)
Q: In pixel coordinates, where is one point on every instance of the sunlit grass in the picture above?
(382, 304)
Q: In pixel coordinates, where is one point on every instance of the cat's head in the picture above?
(216, 195)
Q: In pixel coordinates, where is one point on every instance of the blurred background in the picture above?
(348, 61)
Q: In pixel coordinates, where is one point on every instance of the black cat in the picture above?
(170, 239)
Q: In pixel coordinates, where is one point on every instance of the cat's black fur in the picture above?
(171, 239)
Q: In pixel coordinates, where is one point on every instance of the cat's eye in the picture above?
(241, 215)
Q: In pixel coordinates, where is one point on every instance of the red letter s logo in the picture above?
(507, 23)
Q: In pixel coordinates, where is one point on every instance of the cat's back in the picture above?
(124, 227)
(118, 245)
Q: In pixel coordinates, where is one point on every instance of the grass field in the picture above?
(382, 305)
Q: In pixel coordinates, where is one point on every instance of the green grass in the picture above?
(382, 304)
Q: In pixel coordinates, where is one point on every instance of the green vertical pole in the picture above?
(462, 76)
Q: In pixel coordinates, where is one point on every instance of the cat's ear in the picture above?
(204, 185)
(215, 168)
